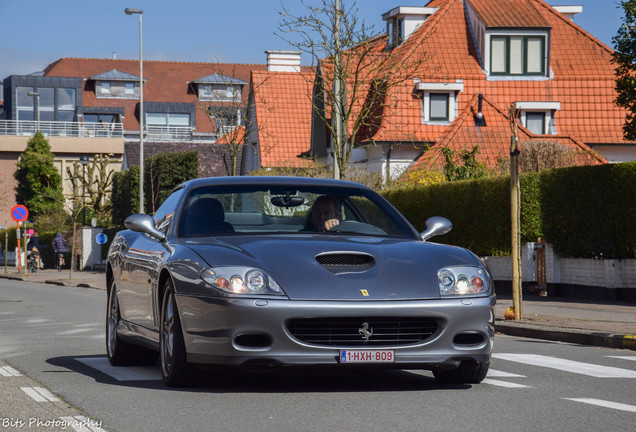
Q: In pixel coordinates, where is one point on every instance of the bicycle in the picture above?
(33, 262)
(60, 261)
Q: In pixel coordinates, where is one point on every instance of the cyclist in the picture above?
(59, 246)
(34, 249)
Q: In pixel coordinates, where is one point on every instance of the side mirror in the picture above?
(435, 226)
(144, 223)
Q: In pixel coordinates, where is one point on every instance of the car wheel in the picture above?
(175, 369)
(467, 373)
(121, 353)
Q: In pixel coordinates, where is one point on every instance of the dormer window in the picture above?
(116, 85)
(439, 101)
(538, 117)
(219, 88)
(220, 92)
(517, 55)
(402, 22)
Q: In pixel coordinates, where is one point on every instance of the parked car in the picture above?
(234, 272)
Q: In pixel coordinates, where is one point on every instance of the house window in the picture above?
(220, 92)
(517, 55)
(129, 88)
(168, 119)
(105, 88)
(66, 104)
(439, 106)
(539, 116)
(439, 100)
(535, 122)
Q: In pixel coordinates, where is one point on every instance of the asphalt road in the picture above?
(54, 336)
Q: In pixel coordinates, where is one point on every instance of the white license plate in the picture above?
(367, 356)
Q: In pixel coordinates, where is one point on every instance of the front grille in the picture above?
(344, 332)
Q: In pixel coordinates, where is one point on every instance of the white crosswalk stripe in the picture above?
(589, 369)
(40, 394)
(632, 358)
(8, 371)
(605, 404)
(506, 384)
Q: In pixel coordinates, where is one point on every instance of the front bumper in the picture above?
(253, 332)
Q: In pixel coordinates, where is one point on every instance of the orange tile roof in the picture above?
(581, 74)
(508, 13)
(283, 108)
(493, 138)
(165, 82)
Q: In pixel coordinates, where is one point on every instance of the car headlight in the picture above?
(241, 280)
(463, 281)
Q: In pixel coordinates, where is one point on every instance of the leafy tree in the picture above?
(125, 196)
(463, 164)
(166, 171)
(625, 59)
(39, 183)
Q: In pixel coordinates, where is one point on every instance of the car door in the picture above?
(142, 263)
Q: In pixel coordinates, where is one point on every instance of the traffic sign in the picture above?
(101, 238)
(19, 213)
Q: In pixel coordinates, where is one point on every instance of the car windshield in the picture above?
(261, 209)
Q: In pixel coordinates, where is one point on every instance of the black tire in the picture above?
(175, 369)
(122, 353)
(467, 373)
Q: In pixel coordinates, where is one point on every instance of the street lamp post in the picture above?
(131, 11)
(36, 95)
(84, 161)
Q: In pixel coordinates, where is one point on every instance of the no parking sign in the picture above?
(19, 213)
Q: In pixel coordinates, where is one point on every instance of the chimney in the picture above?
(283, 61)
(569, 11)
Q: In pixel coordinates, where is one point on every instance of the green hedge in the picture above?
(162, 173)
(583, 212)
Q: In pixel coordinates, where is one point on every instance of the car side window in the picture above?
(165, 213)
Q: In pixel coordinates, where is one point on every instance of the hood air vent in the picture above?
(346, 262)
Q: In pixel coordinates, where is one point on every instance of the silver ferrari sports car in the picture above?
(260, 272)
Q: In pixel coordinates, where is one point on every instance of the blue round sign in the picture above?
(101, 238)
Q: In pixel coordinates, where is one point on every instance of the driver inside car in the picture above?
(325, 213)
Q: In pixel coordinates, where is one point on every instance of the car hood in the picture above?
(324, 267)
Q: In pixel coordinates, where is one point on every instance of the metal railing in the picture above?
(61, 129)
(168, 133)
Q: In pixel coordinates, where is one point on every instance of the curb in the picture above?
(569, 335)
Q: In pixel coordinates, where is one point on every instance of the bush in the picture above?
(584, 212)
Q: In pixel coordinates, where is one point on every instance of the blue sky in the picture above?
(38, 32)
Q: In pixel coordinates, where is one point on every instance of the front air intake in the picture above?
(346, 262)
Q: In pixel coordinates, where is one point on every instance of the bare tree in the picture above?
(94, 183)
(357, 70)
(223, 99)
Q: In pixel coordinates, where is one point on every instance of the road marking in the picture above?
(128, 373)
(632, 358)
(83, 424)
(74, 331)
(40, 394)
(588, 369)
(507, 384)
(492, 373)
(605, 404)
(8, 371)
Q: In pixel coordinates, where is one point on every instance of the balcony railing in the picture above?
(168, 133)
(62, 129)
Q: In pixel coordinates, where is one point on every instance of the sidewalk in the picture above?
(605, 324)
